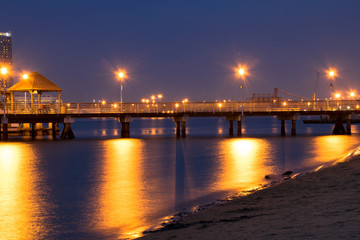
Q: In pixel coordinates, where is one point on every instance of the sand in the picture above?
(320, 205)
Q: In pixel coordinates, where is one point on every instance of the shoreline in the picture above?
(266, 212)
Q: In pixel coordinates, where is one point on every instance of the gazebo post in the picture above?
(25, 107)
(32, 101)
(59, 100)
(39, 102)
(12, 101)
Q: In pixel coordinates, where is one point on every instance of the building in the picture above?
(6, 54)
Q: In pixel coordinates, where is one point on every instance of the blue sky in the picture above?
(185, 48)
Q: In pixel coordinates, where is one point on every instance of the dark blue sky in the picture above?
(185, 48)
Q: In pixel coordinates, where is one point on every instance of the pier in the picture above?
(329, 112)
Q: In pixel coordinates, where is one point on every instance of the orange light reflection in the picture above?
(21, 196)
(330, 148)
(243, 163)
(119, 197)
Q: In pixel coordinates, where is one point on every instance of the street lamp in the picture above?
(242, 73)
(121, 75)
(332, 75)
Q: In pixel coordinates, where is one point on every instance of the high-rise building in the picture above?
(6, 55)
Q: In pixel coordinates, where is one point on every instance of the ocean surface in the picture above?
(99, 186)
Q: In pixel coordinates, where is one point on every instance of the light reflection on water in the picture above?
(21, 194)
(243, 163)
(111, 188)
(119, 201)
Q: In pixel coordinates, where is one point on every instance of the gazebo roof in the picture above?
(35, 82)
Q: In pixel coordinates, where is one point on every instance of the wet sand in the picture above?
(320, 205)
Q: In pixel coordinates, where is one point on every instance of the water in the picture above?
(98, 186)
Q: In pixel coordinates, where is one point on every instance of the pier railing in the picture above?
(180, 107)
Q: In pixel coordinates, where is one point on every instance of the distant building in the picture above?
(6, 54)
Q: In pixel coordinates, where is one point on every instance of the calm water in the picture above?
(98, 186)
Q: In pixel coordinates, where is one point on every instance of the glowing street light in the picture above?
(337, 95)
(242, 73)
(332, 75)
(121, 76)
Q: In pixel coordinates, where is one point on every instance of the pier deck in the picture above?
(335, 112)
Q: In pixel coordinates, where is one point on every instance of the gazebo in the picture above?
(34, 84)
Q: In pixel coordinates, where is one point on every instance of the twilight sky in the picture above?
(185, 48)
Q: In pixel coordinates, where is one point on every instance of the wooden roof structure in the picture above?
(35, 82)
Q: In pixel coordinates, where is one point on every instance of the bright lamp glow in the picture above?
(3, 71)
(241, 72)
(121, 75)
(332, 73)
(25, 76)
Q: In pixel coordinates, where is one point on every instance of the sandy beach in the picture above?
(324, 204)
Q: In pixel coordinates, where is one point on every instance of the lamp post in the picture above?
(242, 72)
(332, 78)
(121, 76)
(3, 72)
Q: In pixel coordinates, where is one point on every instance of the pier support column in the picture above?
(33, 130)
(4, 122)
(67, 131)
(293, 118)
(125, 129)
(0, 131)
(231, 119)
(125, 126)
(180, 120)
(231, 128)
(5, 131)
(293, 127)
(282, 127)
(348, 126)
(183, 128)
(177, 131)
(239, 130)
(339, 127)
(53, 129)
(339, 123)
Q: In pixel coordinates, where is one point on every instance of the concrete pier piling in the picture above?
(177, 130)
(4, 122)
(293, 127)
(231, 118)
(67, 132)
(348, 126)
(231, 128)
(180, 122)
(292, 118)
(239, 130)
(183, 128)
(125, 125)
(282, 127)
